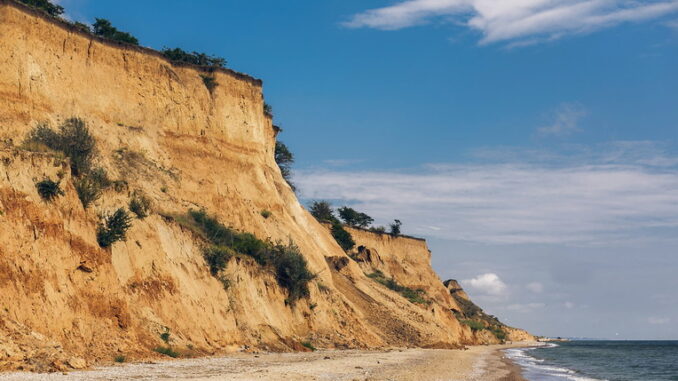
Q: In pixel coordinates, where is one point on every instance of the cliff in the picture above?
(66, 302)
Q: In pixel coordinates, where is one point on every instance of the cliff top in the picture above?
(64, 24)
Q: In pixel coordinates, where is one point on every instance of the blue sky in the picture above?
(534, 143)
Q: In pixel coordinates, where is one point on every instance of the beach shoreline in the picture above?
(486, 363)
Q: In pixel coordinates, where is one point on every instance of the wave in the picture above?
(537, 370)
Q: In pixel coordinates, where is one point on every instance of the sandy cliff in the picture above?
(161, 131)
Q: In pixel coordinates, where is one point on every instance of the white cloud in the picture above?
(520, 21)
(486, 284)
(535, 287)
(525, 308)
(611, 197)
(565, 120)
(658, 321)
(569, 305)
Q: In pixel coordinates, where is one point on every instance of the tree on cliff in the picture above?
(322, 211)
(104, 28)
(354, 218)
(395, 228)
(45, 5)
(285, 159)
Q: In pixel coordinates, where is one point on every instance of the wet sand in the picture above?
(481, 363)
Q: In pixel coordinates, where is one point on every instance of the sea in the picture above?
(599, 360)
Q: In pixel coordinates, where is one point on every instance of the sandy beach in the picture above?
(485, 363)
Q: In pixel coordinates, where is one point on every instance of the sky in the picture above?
(534, 143)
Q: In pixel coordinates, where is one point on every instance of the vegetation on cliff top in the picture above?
(194, 58)
(45, 5)
(104, 28)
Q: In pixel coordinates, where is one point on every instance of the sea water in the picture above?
(599, 360)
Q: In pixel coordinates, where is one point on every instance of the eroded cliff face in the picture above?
(159, 130)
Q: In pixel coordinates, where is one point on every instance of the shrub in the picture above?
(217, 257)
(73, 139)
(284, 158)
(167, 351)
(291, 268)
(266, 213)
(45, 5)
(343, 238)
(49, 190)
(474, 325)
(308, 345)
(99, 177)
(165, 336)
(414, 296)
(120, 358)
(113, 228)
(140, 205)
(195, 58)
(209, 81)
(499, 333)
(322, 211)
(268, 109)
(378, 229)
(104, 28)
(82, 27)
(88, 189)
(354, 218)
(395, 228)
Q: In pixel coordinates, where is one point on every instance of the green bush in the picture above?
(167, 351)
(474, 325)
(195, 58)
(308, 345)
(88, 189)
(217, 257)
(120, 359)
(343, 237)
(49, 190)
(45, 5)
(73, 139)
(140, 205)
(291, 268)
(113, 228)
(82, 27)
(499, 333)
(209, 81)
(104, 28)
(378, 229)
(414, 296)
(266, 213)
(165, 336)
